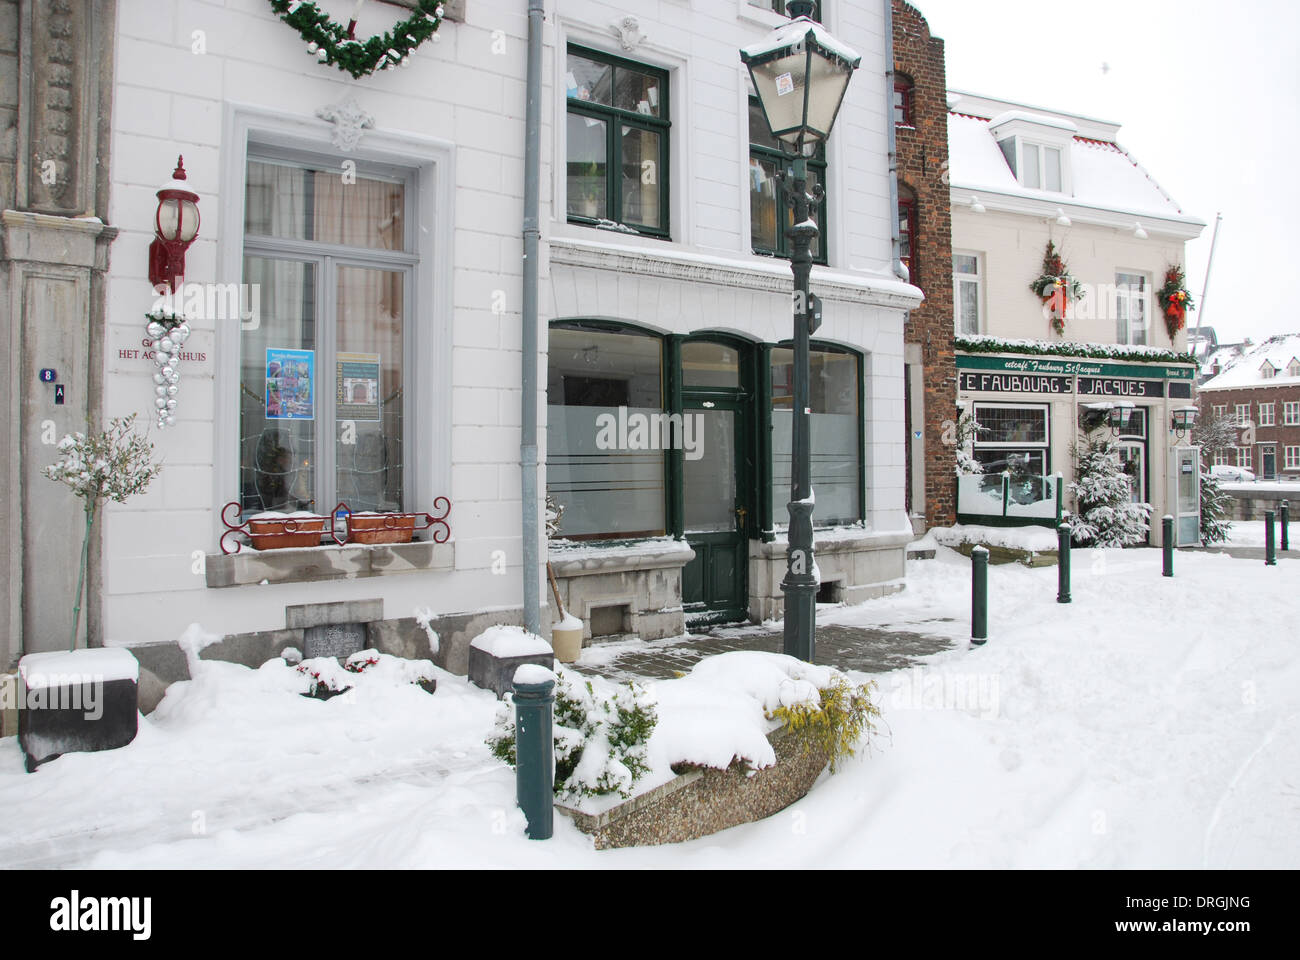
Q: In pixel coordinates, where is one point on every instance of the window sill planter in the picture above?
(381, 527)
(281, 532)
(77, 701)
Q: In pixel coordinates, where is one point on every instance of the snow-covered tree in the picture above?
(1105, 514)
(114, 464)
(968, 429)
(1214, 433)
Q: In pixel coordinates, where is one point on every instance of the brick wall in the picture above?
(922, 168)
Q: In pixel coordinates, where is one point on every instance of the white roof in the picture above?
(1105, 175)
(1244, 371)
(796, 30)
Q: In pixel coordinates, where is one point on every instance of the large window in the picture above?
(1243, 457)
(323, 368)
(604, 443)
(1241, 415)
(769, 213)
(1012, 437)
(1292, 455)
(1266, 414)
(835, 438)
(1130, 308)
(617, 142)
(967, 292)
(1291, 413)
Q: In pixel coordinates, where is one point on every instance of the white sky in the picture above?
(1208, 98)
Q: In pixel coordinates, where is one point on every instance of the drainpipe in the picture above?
(528, 383)
(900, 270)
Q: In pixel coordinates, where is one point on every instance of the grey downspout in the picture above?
(900, 270)
(528, 383)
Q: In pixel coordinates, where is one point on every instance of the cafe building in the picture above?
(1040, 193)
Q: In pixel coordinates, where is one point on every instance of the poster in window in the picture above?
(290, 384)
(357, 393)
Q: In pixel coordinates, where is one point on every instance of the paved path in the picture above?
(1249, 553)
(867, 649)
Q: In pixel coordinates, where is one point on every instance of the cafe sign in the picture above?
(1072, 367)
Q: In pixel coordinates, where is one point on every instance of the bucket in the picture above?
(566, 639)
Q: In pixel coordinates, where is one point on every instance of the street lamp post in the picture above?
(800, 73)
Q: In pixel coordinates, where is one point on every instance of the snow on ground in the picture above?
(1152, 722)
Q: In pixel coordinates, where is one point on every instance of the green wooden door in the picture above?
(717, 479)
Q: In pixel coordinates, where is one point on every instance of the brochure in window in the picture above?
(357, 393)
(290, 384)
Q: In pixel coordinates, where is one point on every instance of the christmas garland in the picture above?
(1055, 287)
(333, 43)
(1066, 348)
(1175, 301)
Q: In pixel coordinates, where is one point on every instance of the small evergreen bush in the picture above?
(1105, 514)
(842, 718)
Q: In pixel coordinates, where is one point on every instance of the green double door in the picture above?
(718, 497)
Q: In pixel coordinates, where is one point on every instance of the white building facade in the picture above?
(371, 357)
(1022, 178)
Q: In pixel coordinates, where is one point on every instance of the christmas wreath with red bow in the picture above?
(1056, 288)
(1174, 300)
(333, 43)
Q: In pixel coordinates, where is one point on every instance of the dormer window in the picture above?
(1293, 368)
(1040, 167)
(1267, 371)
(1036, 147)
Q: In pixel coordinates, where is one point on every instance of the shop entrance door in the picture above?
(1132, 461)
(716, 504)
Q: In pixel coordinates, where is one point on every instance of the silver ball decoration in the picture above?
(166, 344)
(172, 390)
(155, 329)
(159, 402)
(170, 420)
(170, 404)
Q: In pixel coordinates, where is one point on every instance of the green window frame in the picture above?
(768, 195)
(597, 199)
(778, 6)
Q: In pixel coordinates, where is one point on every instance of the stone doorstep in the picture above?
(617, 827)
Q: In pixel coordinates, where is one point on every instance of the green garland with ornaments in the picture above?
(334, 43)
(1174, 300)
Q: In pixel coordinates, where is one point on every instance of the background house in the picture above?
(1023, 177)
(1260, 388)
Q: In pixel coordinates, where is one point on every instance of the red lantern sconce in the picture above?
(175, 225)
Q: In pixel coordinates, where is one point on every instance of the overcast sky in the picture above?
(1207, 95)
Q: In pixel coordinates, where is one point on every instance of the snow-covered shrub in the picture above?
(841, 719)
(114, 464)
(1105, 514)
(600, 736)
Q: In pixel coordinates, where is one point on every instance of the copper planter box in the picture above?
(286, 532)
(381, 528)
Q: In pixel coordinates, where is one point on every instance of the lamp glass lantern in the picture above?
(1184, 418)
(800, 73)
(1119, 415)
(176, 224)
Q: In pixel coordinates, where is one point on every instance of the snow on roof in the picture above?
(1105, 176)
(1246, 369)
(793, 32)
(1042, 119)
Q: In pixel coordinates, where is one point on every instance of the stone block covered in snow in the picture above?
(497, 652)
(76, 701)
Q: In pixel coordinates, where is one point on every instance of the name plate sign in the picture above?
(988, 382)
(1120, 387)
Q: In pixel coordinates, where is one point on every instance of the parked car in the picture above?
(1224, 472)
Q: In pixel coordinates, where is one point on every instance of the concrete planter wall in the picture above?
(704, 800)
(1251, 504)
(643, 581)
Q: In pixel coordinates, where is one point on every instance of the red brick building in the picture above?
(925, 232)
(1262, 390)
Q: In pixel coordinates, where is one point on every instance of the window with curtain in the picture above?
(616, 142)
(770, 216)
(603, 462)
(903, 92)
(967, 292)
(1130, 308)
(907, 232)
(836, 433)
(1013, 438)
(323, 366)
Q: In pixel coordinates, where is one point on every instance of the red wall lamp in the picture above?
(175, 225)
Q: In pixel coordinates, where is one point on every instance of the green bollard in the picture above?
(1167, 543)
(1270, 555)
(1063, 563)
(979, 595)
(1284, 516)
(535, 752)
